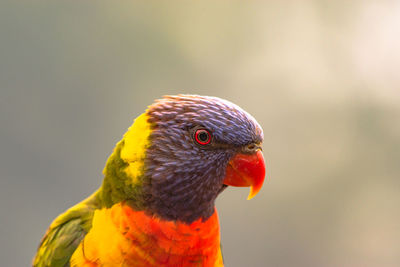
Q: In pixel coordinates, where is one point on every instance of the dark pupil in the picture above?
(203, 136)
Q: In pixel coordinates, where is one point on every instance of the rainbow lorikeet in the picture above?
(156, 206)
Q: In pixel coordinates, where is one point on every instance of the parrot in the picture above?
(156, 203)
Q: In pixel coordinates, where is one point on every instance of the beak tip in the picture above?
(253, 192)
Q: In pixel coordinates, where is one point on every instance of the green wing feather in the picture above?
(65, 234)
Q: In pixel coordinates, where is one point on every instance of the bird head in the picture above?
(192, 147)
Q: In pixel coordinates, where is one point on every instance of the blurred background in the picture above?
(321, 77)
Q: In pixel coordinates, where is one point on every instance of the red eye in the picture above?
(202, 136)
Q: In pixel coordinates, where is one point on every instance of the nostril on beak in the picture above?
(251, 148)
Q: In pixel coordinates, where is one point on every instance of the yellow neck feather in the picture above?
(136, 141)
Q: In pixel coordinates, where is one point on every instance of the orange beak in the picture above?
(246, 170)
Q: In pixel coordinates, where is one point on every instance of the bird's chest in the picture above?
(121, 236)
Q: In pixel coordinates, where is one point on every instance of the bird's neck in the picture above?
(184, 190)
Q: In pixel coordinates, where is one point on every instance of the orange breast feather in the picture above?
(121, 236)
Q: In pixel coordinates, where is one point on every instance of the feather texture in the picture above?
(121, 236)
